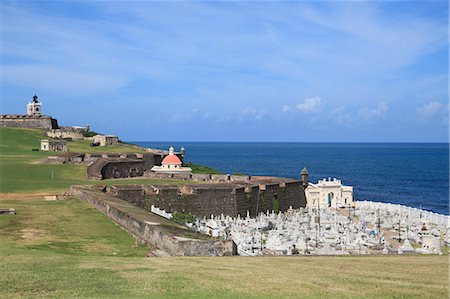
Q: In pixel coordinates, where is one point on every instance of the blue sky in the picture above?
(232, 71)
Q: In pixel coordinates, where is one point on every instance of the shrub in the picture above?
(183, 218)
(201, 169)
(89, 134)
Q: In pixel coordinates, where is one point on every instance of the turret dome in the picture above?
(304, 170)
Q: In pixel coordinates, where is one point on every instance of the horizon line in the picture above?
(328, 142)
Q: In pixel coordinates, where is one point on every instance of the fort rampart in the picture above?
(256, 195)
(28, 121)
(74, 133)
(173, 239)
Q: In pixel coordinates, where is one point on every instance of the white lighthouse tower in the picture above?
(34, 107)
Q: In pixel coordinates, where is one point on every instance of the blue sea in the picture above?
(412, 174)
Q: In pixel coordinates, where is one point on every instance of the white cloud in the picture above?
(309, 105)
(341, 116)
(432, 111)
(253, 113)
(374, 113)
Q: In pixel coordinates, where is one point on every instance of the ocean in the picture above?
(412, 174)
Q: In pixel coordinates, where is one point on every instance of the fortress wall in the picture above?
(220, 177)
(201, 177)
(134, 194)
(123, 169)
(163, 237)
(202, 202)
(177, 176)
(66, 133)
(270, 197)
(239, 178)
(215, 199)
(44, 122)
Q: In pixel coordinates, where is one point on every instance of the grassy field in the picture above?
(68, 249)
(21, 172)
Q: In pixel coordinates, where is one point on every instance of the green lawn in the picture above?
(67, 249)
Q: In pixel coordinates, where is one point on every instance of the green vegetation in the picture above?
(201, 169)
(182, 218)
(89, 134)
(276, 204)
(68, 226)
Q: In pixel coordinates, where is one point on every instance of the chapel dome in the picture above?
(171, 159)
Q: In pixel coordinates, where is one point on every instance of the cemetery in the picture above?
(370, 228)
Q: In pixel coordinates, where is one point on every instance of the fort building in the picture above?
(105, 140)
(172, 164)
(33, 119)
(329, 193)
(53, 145)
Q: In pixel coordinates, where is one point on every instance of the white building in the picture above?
(53, 145)
(171, 164)
(329, 193)
(34, 107)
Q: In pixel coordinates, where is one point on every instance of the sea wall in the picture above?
(28, 121)
(148, 228)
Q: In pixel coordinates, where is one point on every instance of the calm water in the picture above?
(416, 175)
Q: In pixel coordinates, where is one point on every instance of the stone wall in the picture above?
(154, 230)
(67, 133)
(28, 121)
(123, 168)
(113, 166)
(216, 199)
(268, 197)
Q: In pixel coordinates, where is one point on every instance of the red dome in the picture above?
(171, 159)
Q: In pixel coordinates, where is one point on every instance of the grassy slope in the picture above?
(20, 171)
(68, 249)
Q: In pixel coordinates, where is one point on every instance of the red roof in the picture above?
(171, 159)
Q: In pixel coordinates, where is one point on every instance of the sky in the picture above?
(232, 71)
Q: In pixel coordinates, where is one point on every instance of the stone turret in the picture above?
(34, 107)
(182, 151)
(304, 177)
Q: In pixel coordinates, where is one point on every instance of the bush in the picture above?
(276, 205)
(89, 134)
(183, 218)
(201, 169)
